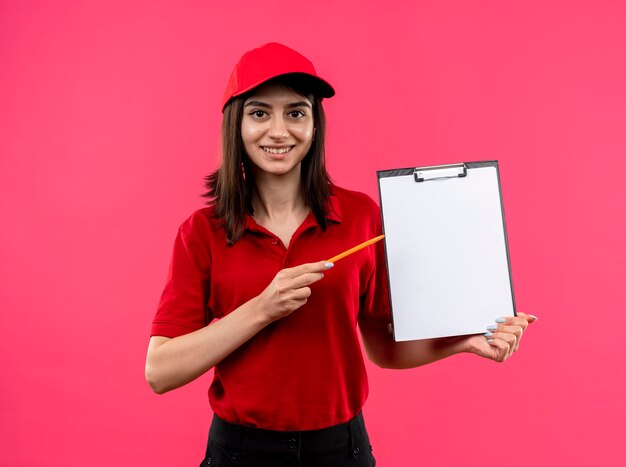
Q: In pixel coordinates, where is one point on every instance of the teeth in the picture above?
(276, 150)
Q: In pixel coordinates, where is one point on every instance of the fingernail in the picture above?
(328, 265)
(489, 341)
(322, 275)
(500, 320)
(488, 334)
(534, 317)
(492, 327)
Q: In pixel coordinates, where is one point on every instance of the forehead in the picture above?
(276, 93)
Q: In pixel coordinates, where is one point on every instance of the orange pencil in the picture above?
(354, 249)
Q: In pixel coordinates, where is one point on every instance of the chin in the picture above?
(275, 169)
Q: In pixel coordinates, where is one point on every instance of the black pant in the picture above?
(341, 445)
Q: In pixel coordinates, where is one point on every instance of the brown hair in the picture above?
(231, 186)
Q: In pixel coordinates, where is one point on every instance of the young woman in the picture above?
(250, 295)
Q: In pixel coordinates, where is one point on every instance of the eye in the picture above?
(295, 114)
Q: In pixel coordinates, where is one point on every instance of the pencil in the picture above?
(354, 249)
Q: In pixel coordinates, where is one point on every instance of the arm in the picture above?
(386, 353)
(174, 362)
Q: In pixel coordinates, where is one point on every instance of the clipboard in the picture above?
(447, 252)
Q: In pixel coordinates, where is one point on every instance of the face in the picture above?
(277, 129)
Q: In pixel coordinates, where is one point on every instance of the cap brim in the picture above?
(304, 81)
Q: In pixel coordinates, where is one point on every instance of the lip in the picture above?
(277, 148)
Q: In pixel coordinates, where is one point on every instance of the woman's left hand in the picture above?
(502, 338)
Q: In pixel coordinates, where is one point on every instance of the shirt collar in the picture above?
(334, 209)
(334, 214)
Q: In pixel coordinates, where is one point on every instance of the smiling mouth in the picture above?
(277, 150)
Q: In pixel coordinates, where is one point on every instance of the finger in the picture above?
(295, 300)
(512, 335)
(510, 339)
(527, 317)
(291, 306)
(305, 279)
(306, 268)
(503, 349)
(517, 330)
(299, 294)
(287, 294)
(512, 329)
(513, 321)
(520, 319)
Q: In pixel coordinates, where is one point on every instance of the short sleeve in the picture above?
(183, 305)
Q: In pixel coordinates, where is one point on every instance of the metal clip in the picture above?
(438, 172)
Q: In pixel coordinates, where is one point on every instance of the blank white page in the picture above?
(446, 253)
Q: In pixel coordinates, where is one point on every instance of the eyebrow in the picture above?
(267, 106)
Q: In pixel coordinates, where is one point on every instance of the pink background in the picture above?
(109, 119)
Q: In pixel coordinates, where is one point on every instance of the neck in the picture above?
(278, 196)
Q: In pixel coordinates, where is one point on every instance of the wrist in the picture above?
(448, 346)
(471, 344)
(260, 311)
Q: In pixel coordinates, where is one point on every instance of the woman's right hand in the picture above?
(173, 362)
(289, 289)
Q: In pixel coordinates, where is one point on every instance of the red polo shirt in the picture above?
(302, 372)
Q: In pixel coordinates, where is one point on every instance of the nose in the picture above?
(278, 128)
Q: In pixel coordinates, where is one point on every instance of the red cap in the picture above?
(269, 61)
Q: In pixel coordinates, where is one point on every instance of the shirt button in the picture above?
(274, 241)
(292, 444)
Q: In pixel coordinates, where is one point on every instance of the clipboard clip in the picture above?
(438, 172)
